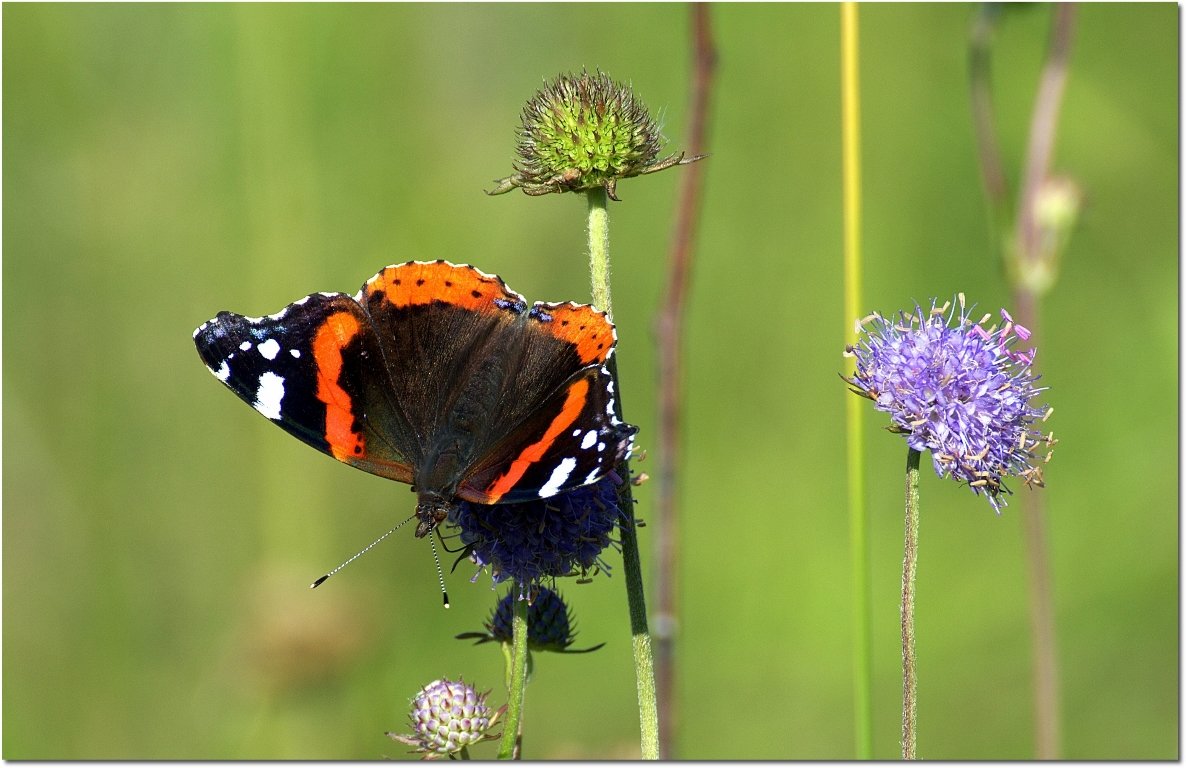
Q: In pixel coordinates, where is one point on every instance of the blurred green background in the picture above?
(162, 163)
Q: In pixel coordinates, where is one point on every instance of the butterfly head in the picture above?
(431, 511)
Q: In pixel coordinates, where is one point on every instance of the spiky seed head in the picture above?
(584, 131)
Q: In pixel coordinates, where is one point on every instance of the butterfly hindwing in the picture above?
(557, 429)
(570, 440)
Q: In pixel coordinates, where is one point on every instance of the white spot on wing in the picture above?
(294, 352)
(589, 439)
(269, 395)
(559, 476)
(223, 373)
(245, 346)
(593, 476)
(269, 349)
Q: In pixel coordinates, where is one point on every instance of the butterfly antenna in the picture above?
(440, 575)
(359, 554)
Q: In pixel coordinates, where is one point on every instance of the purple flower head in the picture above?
(549, 624)
(529, 541)
(446, 717)
(957, 389)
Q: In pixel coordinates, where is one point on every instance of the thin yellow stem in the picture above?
(858, 522)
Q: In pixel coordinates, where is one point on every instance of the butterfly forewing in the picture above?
(433, 321)
(301, 368)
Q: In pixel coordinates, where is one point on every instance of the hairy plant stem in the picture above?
(598, 230)
(518, 682)
(669, 330)
(862, 646)
(909, 572)
(644, 663)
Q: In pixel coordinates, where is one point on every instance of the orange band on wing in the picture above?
(332, 337)
(584, 327)
(462, 286)
(574, 403)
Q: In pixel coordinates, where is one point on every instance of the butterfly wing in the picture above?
(434, 374)
(306, 369)
(556, 429)
(438, 325)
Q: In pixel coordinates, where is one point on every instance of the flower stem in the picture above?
(1042, 125)
(1047, 719)
(644, 663)
(599, 249)
(669, 329)
(510, 728)
(858, 519)
(1027, 303)
(909, 571)
(987, 144)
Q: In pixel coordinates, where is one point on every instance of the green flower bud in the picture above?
(582, 132)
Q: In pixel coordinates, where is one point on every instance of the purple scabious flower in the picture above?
(549, 624)
(446, 717)
(529, 541)
(956, 388)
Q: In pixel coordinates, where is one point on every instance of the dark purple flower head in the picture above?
(956, 388)
(446, 717)
(549, 624)
(533, 540)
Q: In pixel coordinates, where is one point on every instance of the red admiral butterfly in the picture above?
(438, 375)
